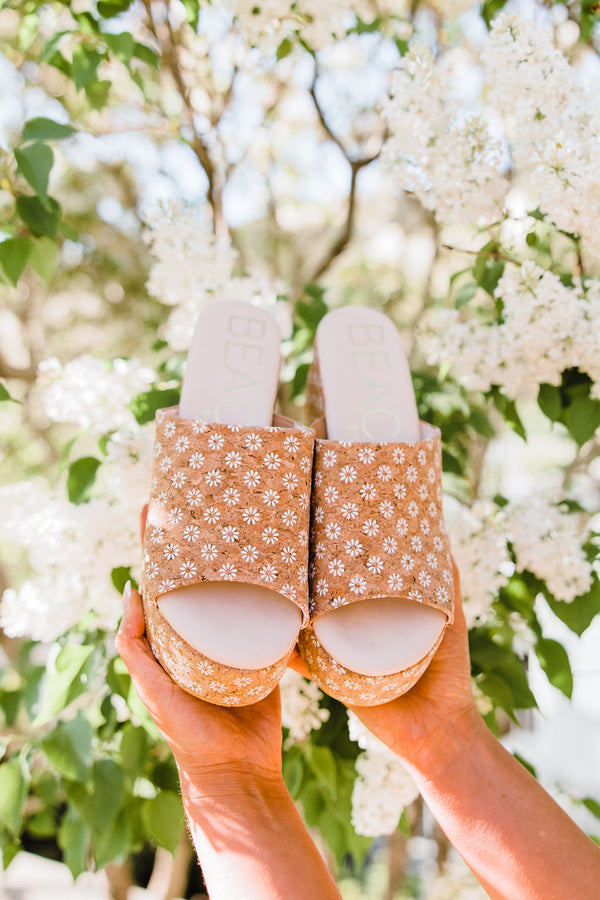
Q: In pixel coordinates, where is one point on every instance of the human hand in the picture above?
(206, 740)
(414, 725)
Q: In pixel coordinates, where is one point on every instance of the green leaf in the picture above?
(66, 682)
(293, 772)
(84, 65)
(285, 48)
(592, 805)
(163, 819)
(120, 576)
(97, 93)
(192, 12)
(144, 406)
(74, 841)
(4, 395)
(110, 8)
(14, 253)
(69, 748)
(100, 806)
(508, 410)
(42, 824)
(13, 793)
(82, 474)
(115, 842)
(146, 54)
(525, 764)
(554, 661)
(44, 258)
(133, 749)
(487, 270)
(41, 218)
(42, 129)
(465, 293)
(121, 45)
(582, 418)
(578, 614)
(549, 401)
(35, 162)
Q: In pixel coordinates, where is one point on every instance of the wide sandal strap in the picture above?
(377, 524)
(228, 503)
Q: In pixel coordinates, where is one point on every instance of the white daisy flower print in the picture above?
(178, 479)
(272, 460)
(230, 534)
(348, 474)
(384, 473)
(329, 459)
(414, 594)
(291, 443)
(290, 481)
(212, 515)
(441, 595)
(289, 517)
(188, 569)
(438, 543)
(158, 448)
(402, 527)
(398, 455)
(386, 509)
(166, 463)
(270, 498)
(228, 572)
(337, 567)
(371, 527)
(368, 491)
(152, 570)
(191, 533)
(395, 582)
(205, 666)
(424, 578)
(233, 459)
(432, 561)
(318, 479)
(250, 515)
(200, 427)
(196, 460)
(289, 591)
(175, 516)
(162, 498)
(231, 496)
(413, 508)
(390, 545)
(407, 562)
(432, 511)
(182, 443)
(216, 441)
(331, 494)
(421, 457)
(194, 497)
(375, 565)
(366, 455)
(425, 526)
(270, 535)
(251, 478)
(358, 585)
(416, 543)
(400, 491)
(268, 573)
(157, 535)
(249, 553)
(319, 514)
(306, 463)
(411, 474)
(288, 554)
(349, 511)
(336, 602)
(170, 429)
(167, 584)
(320, 551)
(171, 551)
(447, 573)
(321, 587)
(353, 548)
(423, 492)
(333, 531)
(213, 478)
(253, 441)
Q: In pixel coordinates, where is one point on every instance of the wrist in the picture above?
(447, 744)
(223, 783)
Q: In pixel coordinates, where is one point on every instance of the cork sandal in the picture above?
(380, 569)
(225, 584)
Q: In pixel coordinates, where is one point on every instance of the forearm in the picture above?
(519, 843)
(251, 841)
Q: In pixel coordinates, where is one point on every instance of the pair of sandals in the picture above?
(262, 533)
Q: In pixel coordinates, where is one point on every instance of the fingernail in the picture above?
(126, 597)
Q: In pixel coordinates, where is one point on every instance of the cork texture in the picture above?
(228, 503)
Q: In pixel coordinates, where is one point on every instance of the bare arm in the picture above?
(517, 841)
(249, 837)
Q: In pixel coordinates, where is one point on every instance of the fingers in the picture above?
(296, 663)
(143, 518)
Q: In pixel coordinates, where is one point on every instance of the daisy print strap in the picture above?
(226, 543)
(380, 569)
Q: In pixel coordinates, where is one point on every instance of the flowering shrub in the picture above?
(434, 161)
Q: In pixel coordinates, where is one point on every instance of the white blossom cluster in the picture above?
(193, 268)
(300, 709)
(546, 327)
(383, 787)
(451, 163)
(91, 393)
(547, 542)
(552, 123)
(456, 882)
(72, 549)
(481, 555)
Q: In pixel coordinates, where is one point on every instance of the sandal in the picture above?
(224, 582)
(380, 569)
